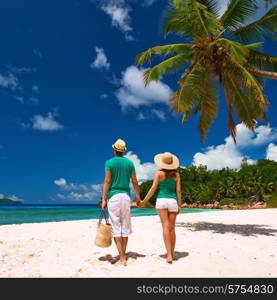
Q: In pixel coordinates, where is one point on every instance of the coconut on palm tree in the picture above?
(221, 52)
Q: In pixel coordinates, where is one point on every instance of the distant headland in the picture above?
(7, 201)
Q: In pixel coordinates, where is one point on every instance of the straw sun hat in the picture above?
(119, 146)
(166, 161)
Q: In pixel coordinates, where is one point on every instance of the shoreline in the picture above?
(153, 212)
(225, 243)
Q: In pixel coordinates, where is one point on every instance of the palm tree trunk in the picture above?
(266, 74)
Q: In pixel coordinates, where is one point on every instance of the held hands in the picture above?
(140, 203)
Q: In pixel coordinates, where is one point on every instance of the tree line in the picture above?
(248, 185)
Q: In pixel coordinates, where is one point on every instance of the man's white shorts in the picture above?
(119, 207)
(167, 203)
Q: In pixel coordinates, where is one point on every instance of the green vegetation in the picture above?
(6, 201)
(272, 203)
(219, 51)
(250, 184)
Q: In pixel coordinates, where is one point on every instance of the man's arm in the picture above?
(136, 188)
(106, 187)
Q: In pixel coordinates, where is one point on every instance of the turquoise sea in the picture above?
(18, 214)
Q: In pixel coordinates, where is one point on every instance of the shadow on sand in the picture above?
(244, 230)
(177, 255)
(114, 259)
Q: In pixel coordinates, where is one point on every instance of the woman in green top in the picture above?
(169, 197)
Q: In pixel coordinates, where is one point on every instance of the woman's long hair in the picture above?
(170, 173)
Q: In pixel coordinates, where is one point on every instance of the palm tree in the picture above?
(221, 53)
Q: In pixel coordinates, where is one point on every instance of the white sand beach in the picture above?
(234, 243)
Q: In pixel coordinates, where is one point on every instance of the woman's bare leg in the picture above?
(163, 213)
(172, 220)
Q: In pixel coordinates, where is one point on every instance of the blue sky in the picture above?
(69, 89)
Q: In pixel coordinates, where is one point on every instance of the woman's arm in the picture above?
(152, 189)
(178, 190)
(106, 187)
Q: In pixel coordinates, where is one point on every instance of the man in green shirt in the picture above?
(118, 172)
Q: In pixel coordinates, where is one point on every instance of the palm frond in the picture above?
(197, 89)
(191, 19)
(261, 61)
(254, 46)
(188, 95)
(208, 104)
(246, 109)
(262, 28)
(237, 13)
(172, 64)
(212, 6)
(165, 50)
(184, 104)
(247, 81)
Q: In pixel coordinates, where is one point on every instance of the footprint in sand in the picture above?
(105, 269)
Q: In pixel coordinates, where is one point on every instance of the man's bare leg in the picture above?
(125, 242)
(120, 247)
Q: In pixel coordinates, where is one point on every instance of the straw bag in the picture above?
(103, 237)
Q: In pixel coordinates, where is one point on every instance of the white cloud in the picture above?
(37, 52)
(96, 187)
(141, 116)
(60, 182)
(15, 198)
(25, 125)
(159, 114)
(89, 196)
(221, 156)
(148, 2)
(144, 171)
(271, 152)
(20, 70)
(229, 154)
(119, 12)
(35, 88)
(104, 96)
(9, 81)
(101, 61)
(46, 123)
(78, 192)
(133, 92)
(60, 196)
(261, 135)
(33, 100)
(74, 196)
(12, 197)
(153, 113)
(20, 99)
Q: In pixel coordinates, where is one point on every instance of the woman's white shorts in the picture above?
(119, 207)
(167, 203)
